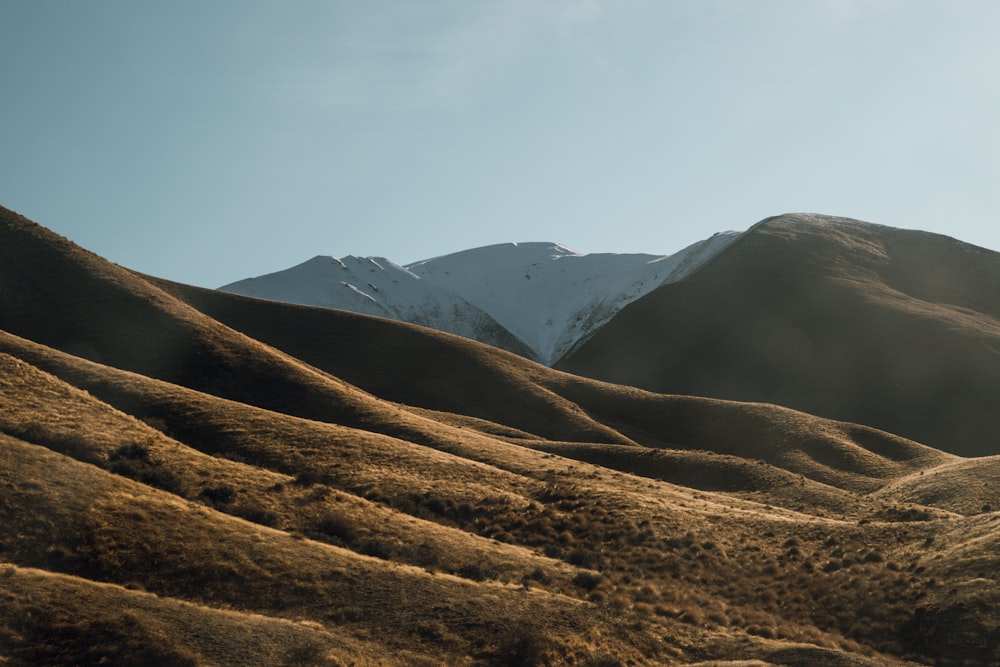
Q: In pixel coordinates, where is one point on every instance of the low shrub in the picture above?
(338, 526)
(377, 548)
(522, 648)
(258, 515)
(220, 495)
(147, 472)
(473, 571)
(588, 580)
(133, 452)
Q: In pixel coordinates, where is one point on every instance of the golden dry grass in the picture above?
(247, 506)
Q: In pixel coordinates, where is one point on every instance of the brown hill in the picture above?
(314, 494)
(895, 329)
(100, 523)
(424, 368)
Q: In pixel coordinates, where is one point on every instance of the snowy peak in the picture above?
(538, 299)
(377, 286)
(352, 283)
(549, 295)
(516, 252)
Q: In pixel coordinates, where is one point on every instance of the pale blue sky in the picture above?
(206, 141)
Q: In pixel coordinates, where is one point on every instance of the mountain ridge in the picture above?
(821, 313)
(487, 293)
(829, 315)
(380, 287)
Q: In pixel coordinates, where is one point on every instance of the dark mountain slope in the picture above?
(402, 362)
(429, 369)
(836, 317)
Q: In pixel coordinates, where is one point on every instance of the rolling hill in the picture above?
(892, 328)
(192, 477)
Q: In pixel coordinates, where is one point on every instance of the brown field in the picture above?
(191, 478)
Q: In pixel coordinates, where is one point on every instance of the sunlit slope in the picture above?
(890, 328)
(217, 359)
(967, 486)
(117, 530)
(54, 618)
(99, 525)
(151, 514)
(271, 472)
(677, 557)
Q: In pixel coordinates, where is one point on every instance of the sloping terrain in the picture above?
(895, 329)
(414, 366)
(246, 482)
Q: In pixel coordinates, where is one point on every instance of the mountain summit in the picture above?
(893, 328)
(536, 299)
(380, 287)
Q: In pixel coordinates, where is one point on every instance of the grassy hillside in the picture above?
(327, 500)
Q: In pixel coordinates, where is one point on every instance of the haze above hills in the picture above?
(196, 477)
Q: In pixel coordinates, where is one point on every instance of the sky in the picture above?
(210, 141)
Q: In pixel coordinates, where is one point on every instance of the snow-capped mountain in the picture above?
(377, 286)
(536, 299)
(550, 296)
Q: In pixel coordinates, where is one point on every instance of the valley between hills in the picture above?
(805, 473)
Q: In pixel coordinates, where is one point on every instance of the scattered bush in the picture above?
(156, 423)
(603, 660)
(522, 648)
(377, 548)
(436, 505)
(539, 575)
(473, 571)
(583, 558)
(311, 476)
(145, 471)
(258, 515)
(220, 495)
(48, 639)
(832, 565)
(338, 526)
(70, 444)
(133, 452)
(310, 654)
(588, 580)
